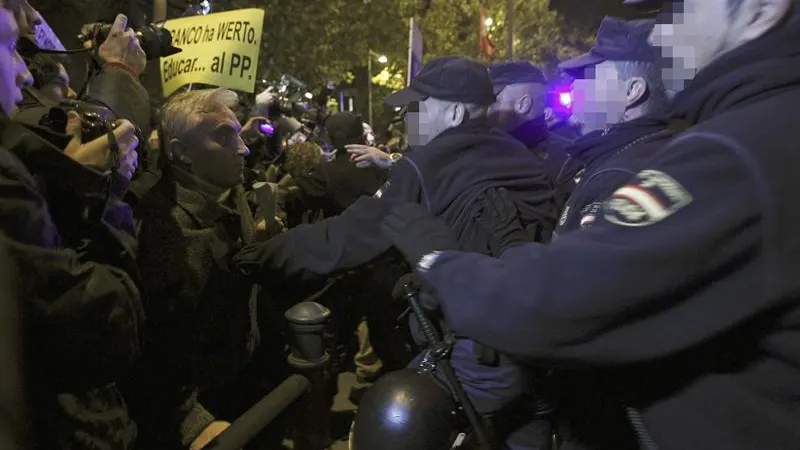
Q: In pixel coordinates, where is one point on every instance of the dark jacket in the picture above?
(186, 238)
(564, 129)
(604, 161)
(82, 310)
(447, 176)
(686, 286)
(334, 186)
(551, 148)
(12, 398)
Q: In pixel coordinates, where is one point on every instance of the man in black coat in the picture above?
(519, 110)
(620, 100)
(73, 241)
(686, 287)
(334, 186)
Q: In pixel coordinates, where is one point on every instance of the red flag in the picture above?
(484, 42)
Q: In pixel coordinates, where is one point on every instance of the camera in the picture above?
(286, 105)
(96, 121)
(155, 40)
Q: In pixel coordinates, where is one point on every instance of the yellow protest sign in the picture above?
(219, 49)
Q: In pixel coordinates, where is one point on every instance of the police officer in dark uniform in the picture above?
(457, 157)
(75, 246)
(686, 287)
(519, 110)
(620, 100)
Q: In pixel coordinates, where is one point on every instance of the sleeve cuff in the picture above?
(195, 422)
(427, 261)
(122, 67)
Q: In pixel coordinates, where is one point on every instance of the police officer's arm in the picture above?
(337, 243)
(625, 291)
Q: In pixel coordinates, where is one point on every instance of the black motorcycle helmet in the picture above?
(405, 410)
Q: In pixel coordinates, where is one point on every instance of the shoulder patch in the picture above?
(650, 197)
(589, 214)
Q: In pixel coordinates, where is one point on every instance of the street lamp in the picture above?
(381, 59)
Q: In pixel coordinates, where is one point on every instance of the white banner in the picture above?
(414, 50)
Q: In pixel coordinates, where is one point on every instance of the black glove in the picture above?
(500, 217)
(416, 233)
(424, 293)
(248, 260)
(411, 279)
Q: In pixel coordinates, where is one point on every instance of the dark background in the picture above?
(67, 16)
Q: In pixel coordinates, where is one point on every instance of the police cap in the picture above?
(448, 78)
(617, 40)
(515, 72)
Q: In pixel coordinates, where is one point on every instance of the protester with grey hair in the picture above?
(191, 222)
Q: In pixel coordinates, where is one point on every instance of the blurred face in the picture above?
(693, 33)
(58, 89)
(14, 73)
(425, 120)
(600, 98)
(689, 35)
(215, 150)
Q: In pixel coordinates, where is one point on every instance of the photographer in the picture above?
(116, 87)
(82, 309)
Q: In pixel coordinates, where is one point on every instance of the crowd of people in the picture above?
(630, 286)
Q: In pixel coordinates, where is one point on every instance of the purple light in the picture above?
(267, 129)
(565, 99)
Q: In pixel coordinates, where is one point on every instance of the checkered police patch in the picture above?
(650, 197)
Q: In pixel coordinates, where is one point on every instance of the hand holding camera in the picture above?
(96, 153)
(123, 47)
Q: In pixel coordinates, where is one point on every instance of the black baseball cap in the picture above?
(617, 40)
(515, 72)
(448, 78)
